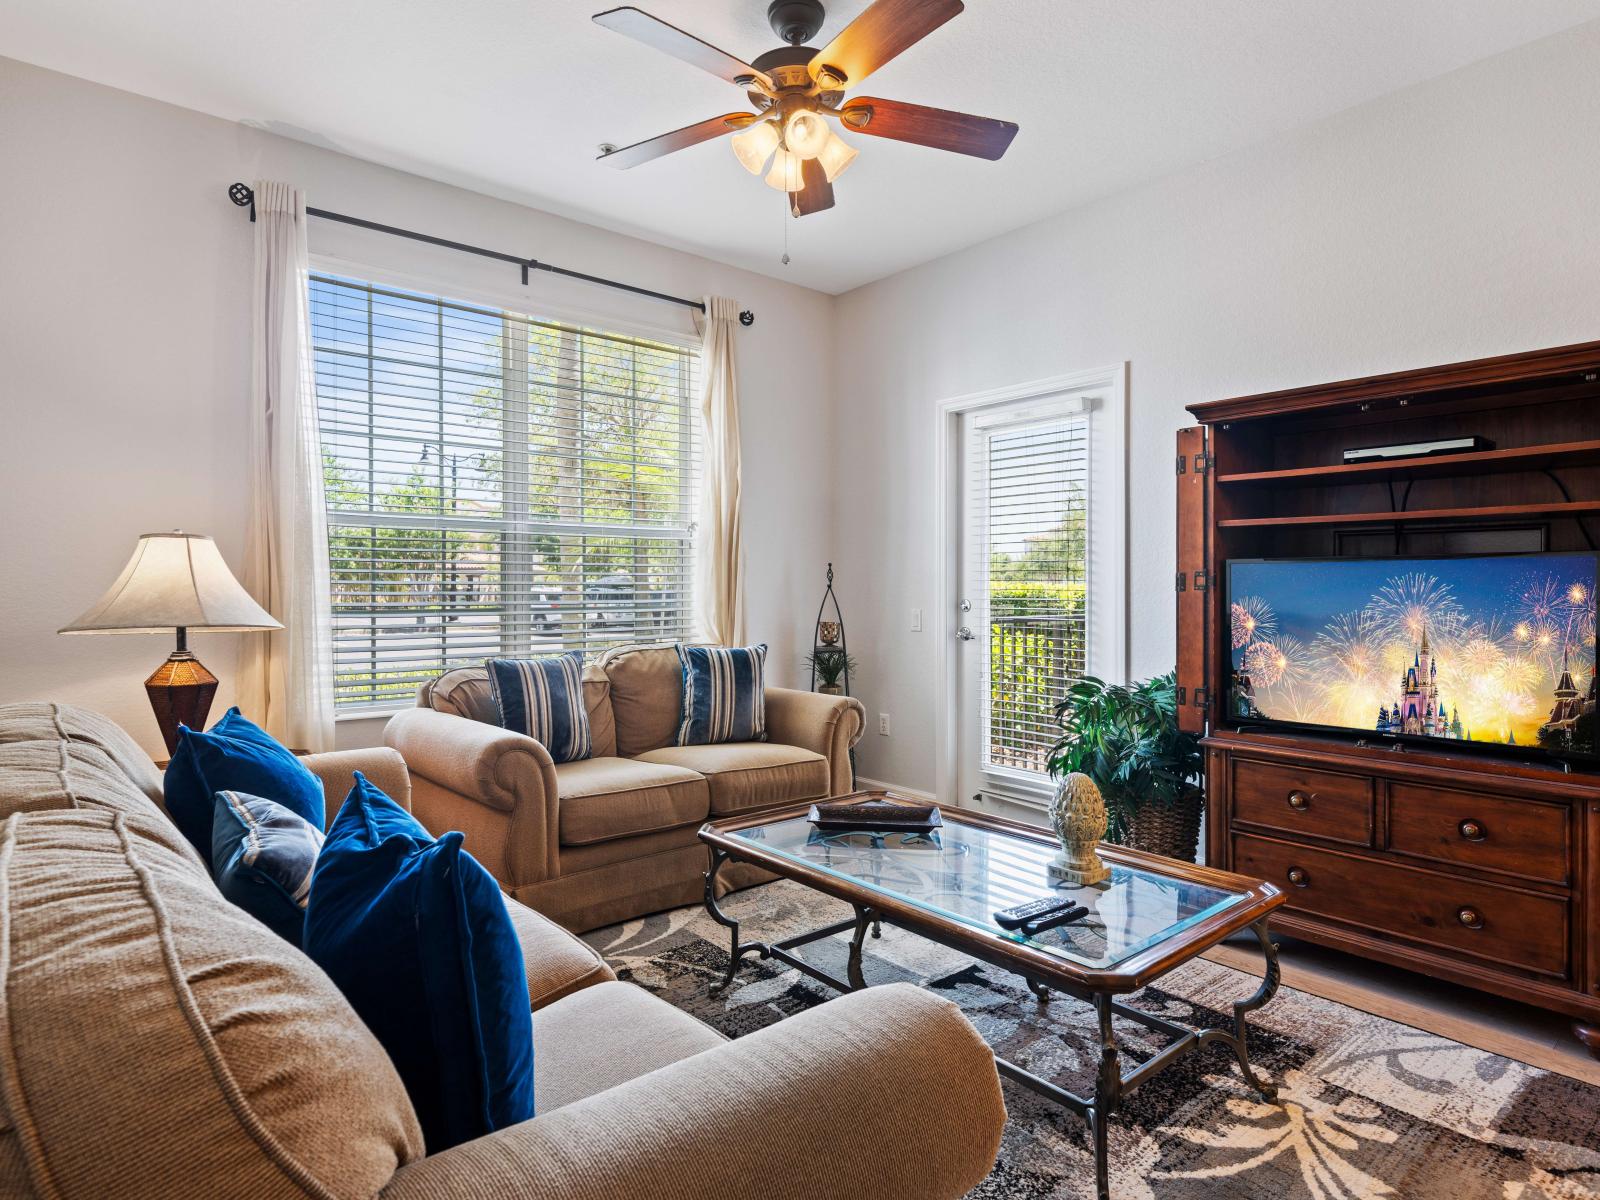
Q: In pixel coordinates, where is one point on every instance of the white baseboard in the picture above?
(1000, 806)
(879, 785)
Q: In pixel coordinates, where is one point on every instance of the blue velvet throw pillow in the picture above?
(724, 695)
(262, 857)
(416, 935)
(543, 698)
(234, 755)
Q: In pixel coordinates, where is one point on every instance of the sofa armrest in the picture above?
(827, 725)
(887, 1092)
(336, 769)
(460, 765)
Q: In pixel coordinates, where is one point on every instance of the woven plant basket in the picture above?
(1170, 832)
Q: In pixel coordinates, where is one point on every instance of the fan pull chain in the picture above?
(785, 259)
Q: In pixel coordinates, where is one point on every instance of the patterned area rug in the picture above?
(1370, 1108)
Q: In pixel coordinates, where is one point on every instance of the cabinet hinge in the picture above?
(1182, 583)
(1183, 695)
(1202, 581)
(1202, 697)
(1183, 464)
(1203, 462)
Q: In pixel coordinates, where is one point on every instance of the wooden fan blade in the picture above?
(878, 34)
(669, 39)
(817, 193)
(981, 137)
(678, 139)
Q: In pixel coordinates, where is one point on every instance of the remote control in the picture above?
(1029, 913)
(1063, 916)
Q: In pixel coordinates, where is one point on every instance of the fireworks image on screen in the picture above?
(1495, 650)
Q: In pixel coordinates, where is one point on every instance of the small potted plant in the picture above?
(1126, 738)
(830, 664)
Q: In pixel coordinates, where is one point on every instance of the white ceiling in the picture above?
(512, 97)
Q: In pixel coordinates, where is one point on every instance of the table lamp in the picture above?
(176, 582)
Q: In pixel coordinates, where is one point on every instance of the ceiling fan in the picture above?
(795, 86)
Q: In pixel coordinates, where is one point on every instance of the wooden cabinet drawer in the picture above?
(1498, 924)
(1320, 804)
(1519, 837)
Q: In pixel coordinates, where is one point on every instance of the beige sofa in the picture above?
(156, 1041)
(614, 836)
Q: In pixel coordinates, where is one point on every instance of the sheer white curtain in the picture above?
(719, 550)
(286, 677)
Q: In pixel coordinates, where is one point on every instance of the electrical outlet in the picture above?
(883, 724)
(916, 620)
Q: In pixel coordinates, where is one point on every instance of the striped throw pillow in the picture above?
(724, 697)
(543, 698)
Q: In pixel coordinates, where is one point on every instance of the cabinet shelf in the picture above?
(1478, 462)
(1490, 512)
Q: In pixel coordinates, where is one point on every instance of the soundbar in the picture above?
(1457, 445)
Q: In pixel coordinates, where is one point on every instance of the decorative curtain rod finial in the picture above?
(243, 194)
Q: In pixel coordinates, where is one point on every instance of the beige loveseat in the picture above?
(613, 836)
(156, 1041)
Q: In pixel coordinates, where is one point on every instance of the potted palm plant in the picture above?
(1126, 738)
(830, 663)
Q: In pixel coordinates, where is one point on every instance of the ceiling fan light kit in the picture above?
(795, 87)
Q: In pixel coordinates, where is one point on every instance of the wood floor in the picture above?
(1530, 1035)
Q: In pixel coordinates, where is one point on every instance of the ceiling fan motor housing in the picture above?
(796, 21)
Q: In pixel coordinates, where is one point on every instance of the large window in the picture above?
(496, 484)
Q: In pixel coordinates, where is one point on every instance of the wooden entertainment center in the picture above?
(1483, 869)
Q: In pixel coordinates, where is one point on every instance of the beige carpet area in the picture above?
(1370, 1107)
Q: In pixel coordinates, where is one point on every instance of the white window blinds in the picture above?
(496, 485)
(1029, 516)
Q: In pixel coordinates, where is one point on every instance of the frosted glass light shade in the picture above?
(806, 134)
(174, 580)
(836, 156)
(755, 145)
(785, 174)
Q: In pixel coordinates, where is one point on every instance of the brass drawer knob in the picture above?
(1299, 801)
(1298, 877)
(1472, 830)
(1470, 917)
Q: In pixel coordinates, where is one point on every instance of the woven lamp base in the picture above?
(180, 691)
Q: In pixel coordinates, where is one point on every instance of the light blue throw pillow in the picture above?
(724, 694)
(543, 698)
(262, 856)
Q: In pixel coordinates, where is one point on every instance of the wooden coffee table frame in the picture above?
(1042, 971)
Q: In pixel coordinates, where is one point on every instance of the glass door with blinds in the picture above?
(1023, 619)
(496, 485)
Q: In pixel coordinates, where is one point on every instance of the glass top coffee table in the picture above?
(1152, 915)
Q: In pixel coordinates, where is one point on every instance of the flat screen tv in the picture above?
(1483, 652)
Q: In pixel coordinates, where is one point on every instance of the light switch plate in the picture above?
(883, 724)
(916, 620)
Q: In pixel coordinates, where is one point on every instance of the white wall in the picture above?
(1450, 221)
(124, 362)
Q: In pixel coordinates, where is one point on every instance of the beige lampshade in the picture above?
(174, 580)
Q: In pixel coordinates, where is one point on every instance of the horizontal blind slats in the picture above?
(496, 484)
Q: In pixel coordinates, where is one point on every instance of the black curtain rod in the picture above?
(244, 195)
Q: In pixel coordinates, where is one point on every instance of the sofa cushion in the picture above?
(610, 1034)
(465, 692)
(745, 775)
(557, 964)
(543, 698)
(235, 754)
(646, 695)
(724, 694)
(158, 1041)
(605, 798)
(417, 936)
(59, 756)
(262, 856)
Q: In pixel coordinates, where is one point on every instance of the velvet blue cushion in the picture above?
(724, 694)
(543, 698)
(234, 755)
(262, 857)
(416, 935)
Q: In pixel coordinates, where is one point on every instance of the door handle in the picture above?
(965, 634)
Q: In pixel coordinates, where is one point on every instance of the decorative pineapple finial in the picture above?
(1078, 812)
